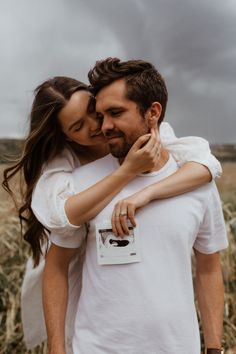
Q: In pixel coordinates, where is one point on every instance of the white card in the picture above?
(116, 250)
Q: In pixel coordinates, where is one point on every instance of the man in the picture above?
(145, 305)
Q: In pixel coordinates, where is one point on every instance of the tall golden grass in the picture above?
(14, 253)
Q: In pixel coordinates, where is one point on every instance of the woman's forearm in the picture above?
(85, 205)
(189, 177)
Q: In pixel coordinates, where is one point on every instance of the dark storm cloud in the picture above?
(193, 43)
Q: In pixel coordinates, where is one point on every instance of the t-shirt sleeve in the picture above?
(212, 235)
(188, 149)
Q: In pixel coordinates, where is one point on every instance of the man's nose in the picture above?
(107, 124)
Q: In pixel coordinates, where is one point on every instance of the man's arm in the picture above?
(55, 293)
(210, 297)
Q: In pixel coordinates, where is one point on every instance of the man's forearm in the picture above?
(210, 297)
(55, 293)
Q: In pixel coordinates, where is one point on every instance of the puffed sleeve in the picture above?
(191, 148)
(53, 188)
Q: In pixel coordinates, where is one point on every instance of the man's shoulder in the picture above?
(208, 189)
(208, 195)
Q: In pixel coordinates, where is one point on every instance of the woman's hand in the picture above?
(144, 154)
(124, 211)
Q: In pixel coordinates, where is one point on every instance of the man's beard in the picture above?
(120, 151)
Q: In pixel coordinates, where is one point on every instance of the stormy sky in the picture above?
(192, 43)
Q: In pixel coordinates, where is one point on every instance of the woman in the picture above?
(64, 133)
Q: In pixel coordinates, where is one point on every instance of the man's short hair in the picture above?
(144, 83)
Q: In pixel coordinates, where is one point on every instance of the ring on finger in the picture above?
(123, 213)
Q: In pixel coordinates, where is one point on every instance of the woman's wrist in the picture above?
(126, 171)
(151, 192)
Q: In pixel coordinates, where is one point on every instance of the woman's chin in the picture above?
(100, 139)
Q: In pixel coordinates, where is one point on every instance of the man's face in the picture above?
(122, 123)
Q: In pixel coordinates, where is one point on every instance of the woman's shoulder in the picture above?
(166, 129)
(66, 161)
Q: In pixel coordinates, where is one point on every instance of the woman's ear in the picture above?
(153, 114)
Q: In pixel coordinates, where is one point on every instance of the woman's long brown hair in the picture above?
(44, 141)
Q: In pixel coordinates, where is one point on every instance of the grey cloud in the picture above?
(193, 43)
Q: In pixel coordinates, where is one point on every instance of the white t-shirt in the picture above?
(54, 186)
(146, 307)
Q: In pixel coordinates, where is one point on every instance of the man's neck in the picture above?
(164, 156)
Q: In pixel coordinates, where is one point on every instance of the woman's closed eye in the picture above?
(78, 127)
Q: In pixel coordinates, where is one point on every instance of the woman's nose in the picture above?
(94, 123)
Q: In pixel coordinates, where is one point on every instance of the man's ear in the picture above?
(153, 115)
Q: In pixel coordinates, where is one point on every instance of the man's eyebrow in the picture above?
(115, 108)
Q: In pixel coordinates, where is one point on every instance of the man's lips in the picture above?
(111, 137)
(114, 139)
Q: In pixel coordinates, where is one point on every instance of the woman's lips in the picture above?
(97, 135)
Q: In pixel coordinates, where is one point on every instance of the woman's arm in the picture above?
(87, 204)
(189, 177)
(60, 216)
(190, 148)
(197, 167)
(60, 210)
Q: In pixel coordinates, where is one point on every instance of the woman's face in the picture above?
(78, 120)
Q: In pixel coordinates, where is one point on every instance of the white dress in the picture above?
(54, 186)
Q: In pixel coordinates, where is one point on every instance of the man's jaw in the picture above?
(120, 151)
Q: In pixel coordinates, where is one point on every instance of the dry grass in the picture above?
(14, 253)
(227, 183)
(229, 272)
(13, 256)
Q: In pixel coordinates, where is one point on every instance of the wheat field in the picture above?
(14, 253)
